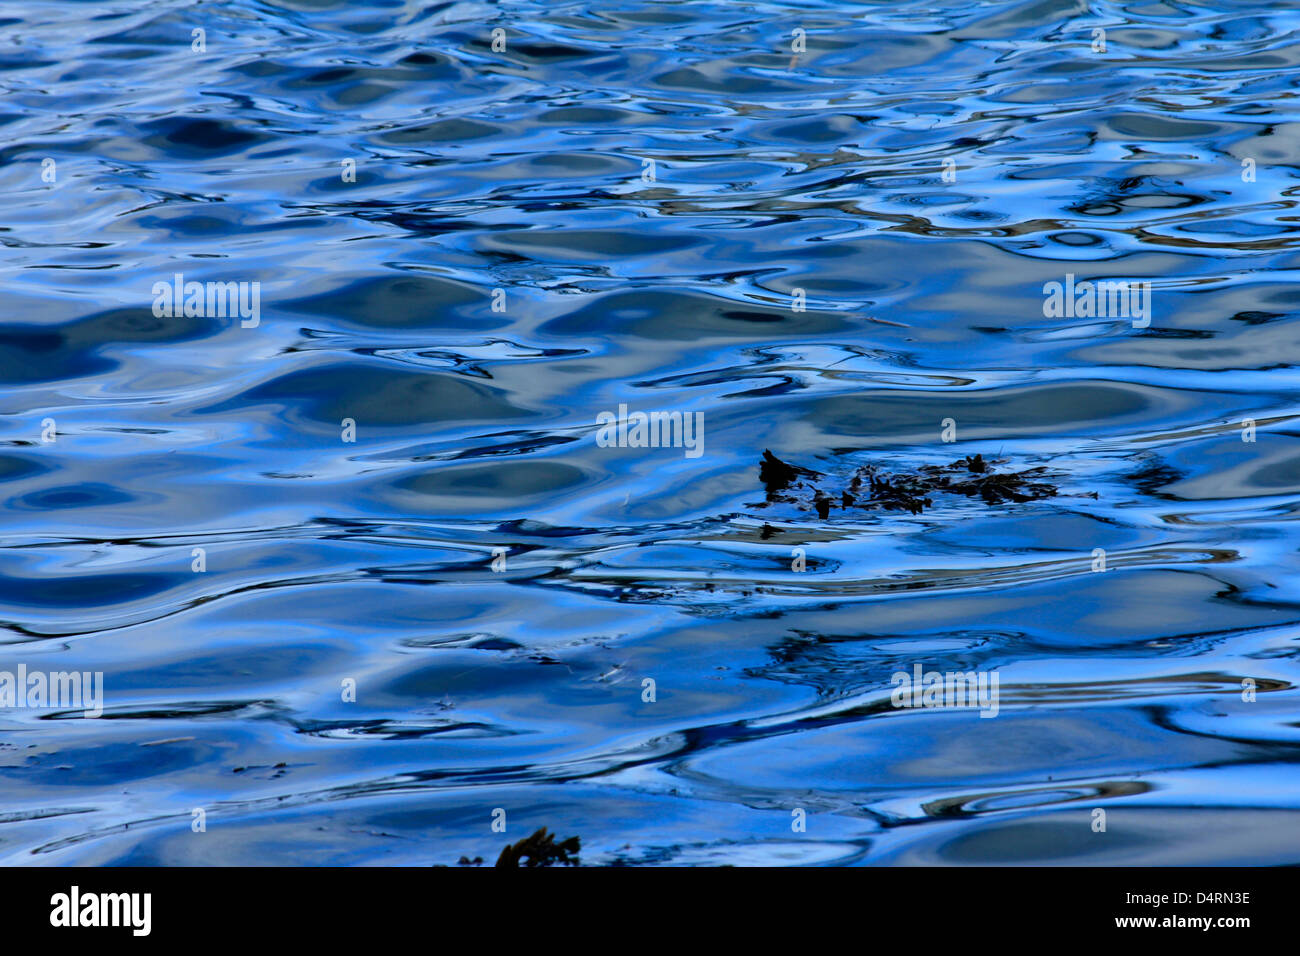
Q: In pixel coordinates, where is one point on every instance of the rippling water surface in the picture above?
(651, 186)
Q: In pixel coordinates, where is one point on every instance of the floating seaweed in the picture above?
(540, 849)
(777, 474)
(872, 487)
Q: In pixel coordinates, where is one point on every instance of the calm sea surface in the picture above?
(358, 567)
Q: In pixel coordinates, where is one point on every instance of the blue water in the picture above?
(1171, 157)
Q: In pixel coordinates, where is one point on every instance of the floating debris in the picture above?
(540, 849)
(912, 491)
(776, 474)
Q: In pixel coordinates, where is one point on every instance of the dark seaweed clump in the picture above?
(872, 487)
(540, 849)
